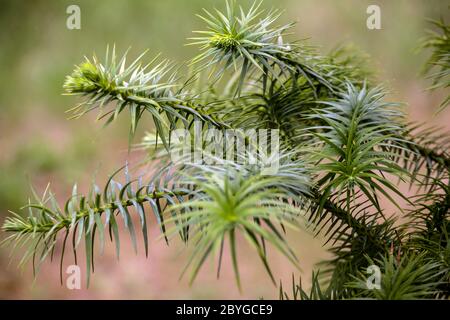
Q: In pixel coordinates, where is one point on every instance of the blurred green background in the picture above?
(39, 145)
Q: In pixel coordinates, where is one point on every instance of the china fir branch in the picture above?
(328, 113)
(54, 220)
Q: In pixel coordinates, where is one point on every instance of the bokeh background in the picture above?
(39, 145)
